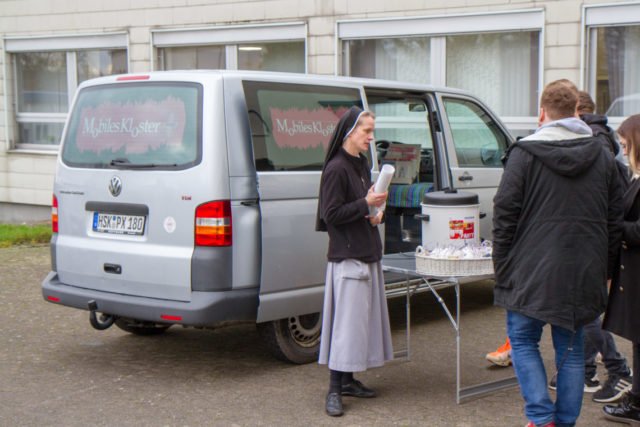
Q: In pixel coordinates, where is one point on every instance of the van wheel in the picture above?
(294, 339)
(138, 327)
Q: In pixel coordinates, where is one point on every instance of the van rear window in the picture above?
(135, 126)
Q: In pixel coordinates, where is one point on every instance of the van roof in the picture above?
(174, 75)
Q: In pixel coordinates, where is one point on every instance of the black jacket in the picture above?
(600, 128)
(557, 225)
(622, 316)
(345, 182)
(599, 125)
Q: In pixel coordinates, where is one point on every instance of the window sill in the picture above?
(40, 152)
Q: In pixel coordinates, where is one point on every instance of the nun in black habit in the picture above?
(355, 327)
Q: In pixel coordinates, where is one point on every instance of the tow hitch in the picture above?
(105, 321)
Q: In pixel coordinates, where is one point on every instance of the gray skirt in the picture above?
(355, 326)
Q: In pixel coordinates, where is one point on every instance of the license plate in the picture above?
(118, 224)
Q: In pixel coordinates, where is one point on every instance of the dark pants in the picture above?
(597, 340)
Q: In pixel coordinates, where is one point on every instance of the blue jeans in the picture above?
(525, 333)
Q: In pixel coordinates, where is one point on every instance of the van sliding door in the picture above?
(291, 125)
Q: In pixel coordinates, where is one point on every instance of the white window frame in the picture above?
(61, 43)
(594, 17)
(230, 37)
(438, 27)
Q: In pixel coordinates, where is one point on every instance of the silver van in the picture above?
(189, 197)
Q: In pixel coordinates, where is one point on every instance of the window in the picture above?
(271, 47)
(272, 57)
(613, 43)
(477, 140)
(191, 57)
(499, 68)
(291, 125)
(495, 56)
(136, 126)
(47, 73)
(405, 59)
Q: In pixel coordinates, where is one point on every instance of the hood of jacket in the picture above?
(599, 125)
(565, 146)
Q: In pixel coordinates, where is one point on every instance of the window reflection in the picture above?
(98, 63)
(617, 91)
(42, 82)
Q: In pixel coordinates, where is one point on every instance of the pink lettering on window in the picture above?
(302, 129)
(138, 127)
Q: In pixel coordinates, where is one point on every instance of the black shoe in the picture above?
(357, 389)
(627, 411)
(333, 406)
(614, 388)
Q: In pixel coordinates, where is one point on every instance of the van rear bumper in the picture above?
(204, 309)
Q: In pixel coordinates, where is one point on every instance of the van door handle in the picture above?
(253, 202)
(113, 268)
(465, 177)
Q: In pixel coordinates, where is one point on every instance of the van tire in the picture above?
(138, 327)
(295, 339)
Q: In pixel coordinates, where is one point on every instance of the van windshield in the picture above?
(135, 126)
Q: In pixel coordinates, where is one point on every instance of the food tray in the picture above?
(452, 267)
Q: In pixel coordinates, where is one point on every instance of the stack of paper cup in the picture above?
(382, 185)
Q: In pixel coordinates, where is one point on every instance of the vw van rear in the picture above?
(189, 197)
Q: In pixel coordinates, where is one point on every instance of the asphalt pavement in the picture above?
(56, 370)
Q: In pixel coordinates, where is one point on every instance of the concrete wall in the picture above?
(26, 177)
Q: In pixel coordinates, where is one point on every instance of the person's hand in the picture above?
(375, 199)
(376, 219)
(608, 284)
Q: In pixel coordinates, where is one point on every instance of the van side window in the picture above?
(131, 125)
(291, 124)
(478, 140)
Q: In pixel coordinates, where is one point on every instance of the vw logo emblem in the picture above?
(115, 186)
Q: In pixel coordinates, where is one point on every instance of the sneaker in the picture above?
(531, 424)
(614, 388)
(591, 385)
(502, 355)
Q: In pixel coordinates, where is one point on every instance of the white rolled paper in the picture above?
(382, 185)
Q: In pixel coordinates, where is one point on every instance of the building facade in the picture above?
(504, 51)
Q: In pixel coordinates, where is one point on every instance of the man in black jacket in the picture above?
(557, 218)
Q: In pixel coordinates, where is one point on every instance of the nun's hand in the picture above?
(376, 219)
(375, 199)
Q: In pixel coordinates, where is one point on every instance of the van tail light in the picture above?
(54, 214)
(213, 224)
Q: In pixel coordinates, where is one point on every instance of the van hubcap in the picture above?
(305, 329)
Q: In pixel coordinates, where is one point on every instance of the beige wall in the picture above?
(28, 177)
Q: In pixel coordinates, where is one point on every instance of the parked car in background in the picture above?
(624, 106)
